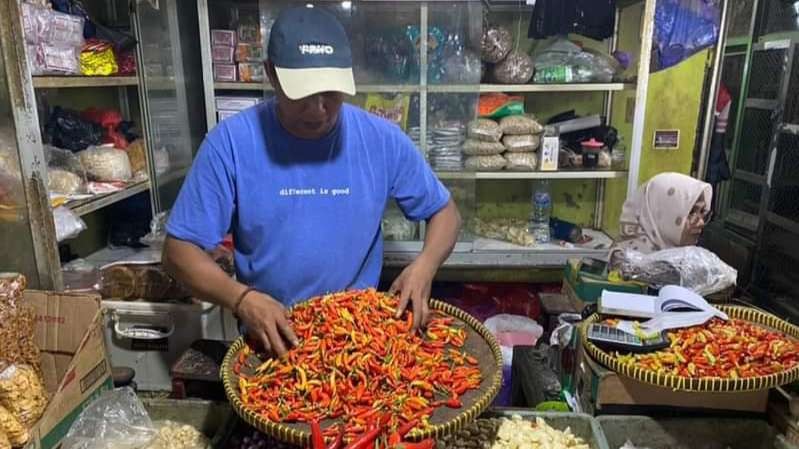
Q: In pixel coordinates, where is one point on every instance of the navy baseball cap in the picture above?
(311, 53)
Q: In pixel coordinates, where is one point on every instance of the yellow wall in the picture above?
(673, 102)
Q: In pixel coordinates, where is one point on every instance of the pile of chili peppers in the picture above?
(731, 349)
(359, 365)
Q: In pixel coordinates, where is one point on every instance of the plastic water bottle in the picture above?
(538, 224)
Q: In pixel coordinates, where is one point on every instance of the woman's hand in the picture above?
(267, 322)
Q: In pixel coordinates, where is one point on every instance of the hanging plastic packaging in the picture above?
(683, 28)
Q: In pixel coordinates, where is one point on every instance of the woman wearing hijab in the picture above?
(670, 210)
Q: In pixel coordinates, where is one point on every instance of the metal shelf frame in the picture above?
(424, 88)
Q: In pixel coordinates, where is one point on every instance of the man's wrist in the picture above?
(240, 299)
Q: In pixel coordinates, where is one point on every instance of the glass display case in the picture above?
(431, 88)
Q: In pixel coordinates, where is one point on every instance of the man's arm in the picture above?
(264, 317)
(415, 282)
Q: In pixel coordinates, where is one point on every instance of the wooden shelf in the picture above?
(60, 82)
(563, 174)
(83, 207)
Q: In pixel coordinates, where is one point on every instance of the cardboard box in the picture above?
(225, 72)
(222, 115)
(229, 103)
(223, 37)
(69, 332)
(599, 389)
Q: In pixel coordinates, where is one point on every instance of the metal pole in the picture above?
(33, 166)
(710, 110)
(641, 90)
(208, 73)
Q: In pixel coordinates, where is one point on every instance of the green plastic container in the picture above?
(691, 433)
(580, 424)
(210, 418)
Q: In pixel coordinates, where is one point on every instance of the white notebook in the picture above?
(671, 298)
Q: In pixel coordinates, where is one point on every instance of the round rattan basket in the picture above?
(480, 343)
(705, 384)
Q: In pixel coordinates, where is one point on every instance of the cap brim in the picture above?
(301, 83)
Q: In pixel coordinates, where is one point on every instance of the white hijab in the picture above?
(655, 217)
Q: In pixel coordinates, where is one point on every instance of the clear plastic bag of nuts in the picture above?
(16, 324)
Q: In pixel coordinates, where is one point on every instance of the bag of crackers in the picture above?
(23, 397)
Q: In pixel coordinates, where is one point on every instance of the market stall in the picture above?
(102, 111)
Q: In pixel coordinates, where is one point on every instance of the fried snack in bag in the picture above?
(16, 323)
(16, 433)
(4, 443)
(22, 393)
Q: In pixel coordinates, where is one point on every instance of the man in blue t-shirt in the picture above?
(302, 182)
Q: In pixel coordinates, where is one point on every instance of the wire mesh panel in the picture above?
(744, 204)
(777, 269)
(778, 16)
(732, 78)
(740, 13)
(784, 197)
(765, 78)
(756, 133)
(791, 114)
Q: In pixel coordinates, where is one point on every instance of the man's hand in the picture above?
(267, 322)
(414, 284)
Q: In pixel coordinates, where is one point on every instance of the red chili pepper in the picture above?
(407, 427)
(336, 444)
(424, 444)
(317, 440)
(363, 441)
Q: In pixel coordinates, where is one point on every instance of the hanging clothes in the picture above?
(718, 168)
(590, 18)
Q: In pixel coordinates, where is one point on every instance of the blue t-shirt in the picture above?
(305, 214)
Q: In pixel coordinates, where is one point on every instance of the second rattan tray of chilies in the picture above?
(705, 384)
(480, 343)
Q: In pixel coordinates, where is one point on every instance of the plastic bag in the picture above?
(516, 68)
(65, 174)
(65, 128)
(173, 435)
(48, 59)
(498, 105)
(157, 234)
(396, 227)
(485, 163)
(474, 147)
(115, 420)
(683, 28)
(522, 144)
(520, 124)
(505, 229)
(22, 393)
(67, 224)
(565, 62)
(97, 58)
(9, 425)
(495, 44)
(521, 161)
(106, 163)
(484, 129)
(16, 323)
(513, 330)
(393, 108)
(45, 26)
(691, 267)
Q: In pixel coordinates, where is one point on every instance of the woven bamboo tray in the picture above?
(705, 384)
(480, 343)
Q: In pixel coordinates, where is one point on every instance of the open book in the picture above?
(671, 298)
(674, 307)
